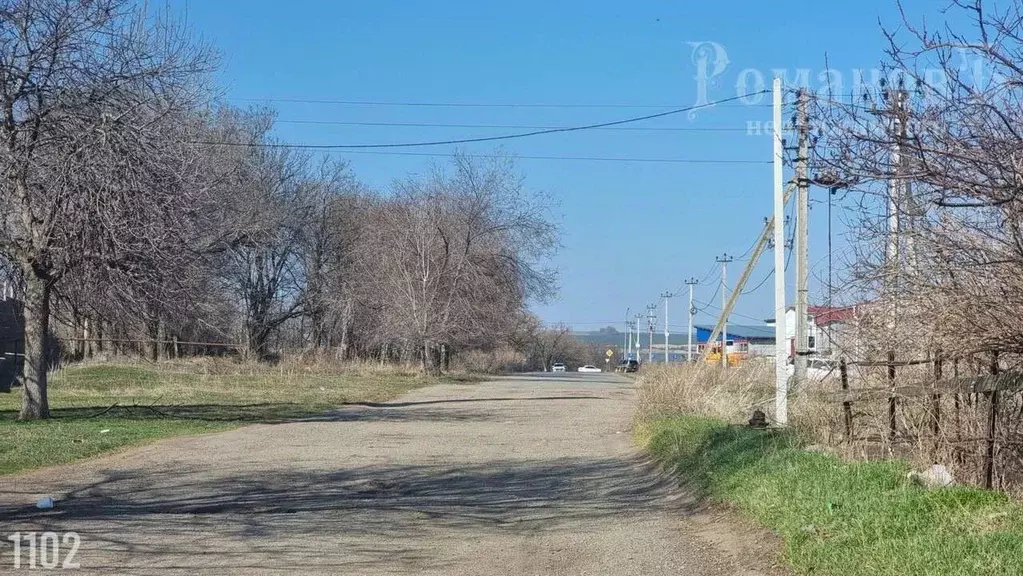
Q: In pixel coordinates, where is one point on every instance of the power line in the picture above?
(576, 158)
(712, 296)
(484, 138)
(711, 272)
(509, 126)
(706, 277)
(748, 251)
(788, 260)
(484, 104)
(707, 305)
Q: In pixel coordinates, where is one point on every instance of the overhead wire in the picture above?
(414, 104)
(788, 260)
(503, 137)
(511, 126)
(555, 158)
(707, 305)
(714, 295)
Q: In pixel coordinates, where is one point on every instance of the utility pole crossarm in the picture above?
(758, 250)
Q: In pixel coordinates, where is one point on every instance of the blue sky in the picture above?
(632, 230)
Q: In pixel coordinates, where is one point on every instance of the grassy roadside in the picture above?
(102, 407)
(841, 518)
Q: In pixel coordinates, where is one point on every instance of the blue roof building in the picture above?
(751, 334)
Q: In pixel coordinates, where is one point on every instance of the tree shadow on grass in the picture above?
(452, 409)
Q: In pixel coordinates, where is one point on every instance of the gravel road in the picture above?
(526, 475)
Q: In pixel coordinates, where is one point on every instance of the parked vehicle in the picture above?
(817, 369)
(627, 366)
(588, 368)
(558, 367)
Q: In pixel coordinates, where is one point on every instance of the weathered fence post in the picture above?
(955, 377)
(992, 423)
(891, 396)
(846, 403)
(936, 396)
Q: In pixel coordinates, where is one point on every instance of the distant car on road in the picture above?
(627, 366)
(817, 369)
(588, 368)
(558, 367)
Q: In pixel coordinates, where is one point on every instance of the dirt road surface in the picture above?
(526, 475)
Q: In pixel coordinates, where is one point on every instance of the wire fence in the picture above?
(966, 412)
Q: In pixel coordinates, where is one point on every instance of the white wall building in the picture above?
(790, 330)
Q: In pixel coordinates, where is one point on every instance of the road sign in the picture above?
(609, 353)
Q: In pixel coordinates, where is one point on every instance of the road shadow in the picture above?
(150, 513)
(283, 413)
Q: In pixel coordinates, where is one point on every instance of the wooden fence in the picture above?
(992, 387)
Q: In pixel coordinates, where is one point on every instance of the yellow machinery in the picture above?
(737, 353)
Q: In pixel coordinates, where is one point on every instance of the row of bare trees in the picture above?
(935, 157)
(139, 209)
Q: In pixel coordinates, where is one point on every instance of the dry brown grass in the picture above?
(498, 361)
(816, 415)
(730, 395)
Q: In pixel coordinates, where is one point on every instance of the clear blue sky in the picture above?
(632, 229)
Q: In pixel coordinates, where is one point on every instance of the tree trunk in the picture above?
(77, 329)
(154, 334)
(429, 361)
(343, 347)
(87, 336)
(258, 338)
(34, 404)
(99, 335)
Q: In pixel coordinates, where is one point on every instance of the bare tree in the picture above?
(938, 156)
(330, 239)
(94, 168)
(458, 255)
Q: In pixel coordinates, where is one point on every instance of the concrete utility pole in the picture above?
(781, 352)
(901, 211)
(692, 312)
(651, 317)
(724, 259)
(628, 336)
(802, 238)
(666, 296)
(639, 316)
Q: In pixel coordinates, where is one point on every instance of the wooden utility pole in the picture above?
(758, 250)
(802, 238)
(724, 259)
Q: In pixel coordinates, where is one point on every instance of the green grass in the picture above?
(139, 403)
(34, 444)
(837, 517)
